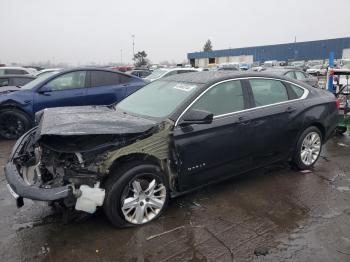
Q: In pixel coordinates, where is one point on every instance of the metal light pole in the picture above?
(121, 56)
(133, 46)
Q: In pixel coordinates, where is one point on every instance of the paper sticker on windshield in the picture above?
(185, 87)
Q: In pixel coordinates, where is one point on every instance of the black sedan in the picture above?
(170, 137)
(296, 74)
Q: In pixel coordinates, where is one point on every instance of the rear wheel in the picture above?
(13, 123)
(136, 195)
(308, 148)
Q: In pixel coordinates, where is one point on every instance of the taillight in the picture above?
(337, 103)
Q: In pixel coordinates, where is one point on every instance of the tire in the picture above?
(304, 151)
(341, 129)
(119, 188)
(13, 123)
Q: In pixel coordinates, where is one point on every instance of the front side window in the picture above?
(158, 99)
(101, 78)
(221, 99)
(67, 81)
(268, 91)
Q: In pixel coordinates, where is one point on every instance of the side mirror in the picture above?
(44, 89)
(196, 116)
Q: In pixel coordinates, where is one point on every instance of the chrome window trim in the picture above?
(306, 93)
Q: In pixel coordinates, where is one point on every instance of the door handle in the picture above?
(290, 109)
(242, 120)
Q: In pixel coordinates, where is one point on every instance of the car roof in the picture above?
(281, 70)
(178, 68)
(14, 67)
(211, 77)
(90, 69)
(17, 76)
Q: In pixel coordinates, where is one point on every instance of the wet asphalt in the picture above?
(271, 214)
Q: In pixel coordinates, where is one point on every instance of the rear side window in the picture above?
(101, 78)
(268, 91)
(222, 99)
(290, 74)
(125, 79)
(300, 75)
(4, 82)
(297, 90)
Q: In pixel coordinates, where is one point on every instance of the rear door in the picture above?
(210, 152)
(276, 118)
(105, 88)
(64, 90)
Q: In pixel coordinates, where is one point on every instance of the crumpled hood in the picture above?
(89, 120)
(8, 89)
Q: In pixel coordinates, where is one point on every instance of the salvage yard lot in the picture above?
(277, 212)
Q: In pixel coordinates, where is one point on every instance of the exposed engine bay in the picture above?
(81, 162)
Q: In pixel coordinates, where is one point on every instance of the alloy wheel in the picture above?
(310, 148)
(142, 200)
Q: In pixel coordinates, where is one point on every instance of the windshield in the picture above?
(156, 74)
(39, 79)
(158, 99)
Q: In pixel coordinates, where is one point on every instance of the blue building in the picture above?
(311, 50)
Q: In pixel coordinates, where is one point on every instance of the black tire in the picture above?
(13, 123)
(117, 183)
(341, 129)
(296, 160)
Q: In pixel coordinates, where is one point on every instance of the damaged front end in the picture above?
(70, 169)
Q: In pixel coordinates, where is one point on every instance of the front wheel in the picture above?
(13, 123)
(308, 148)
(136, 195)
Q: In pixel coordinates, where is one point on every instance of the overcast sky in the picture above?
(86, 31)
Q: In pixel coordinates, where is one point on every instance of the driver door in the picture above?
(210, 152)
(68, 89)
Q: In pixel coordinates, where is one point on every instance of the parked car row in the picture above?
(161, 140)
(74, 87)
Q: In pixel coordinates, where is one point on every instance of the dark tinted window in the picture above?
(297, 90)
(268, 91)
(66, 81)
(125, 79)
(20, 81)
(15, 72)
(222, 99)
(4, 81)
(101, 78)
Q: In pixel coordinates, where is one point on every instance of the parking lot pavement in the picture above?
(272, 214)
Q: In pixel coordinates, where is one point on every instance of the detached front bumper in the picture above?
(20, 189)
